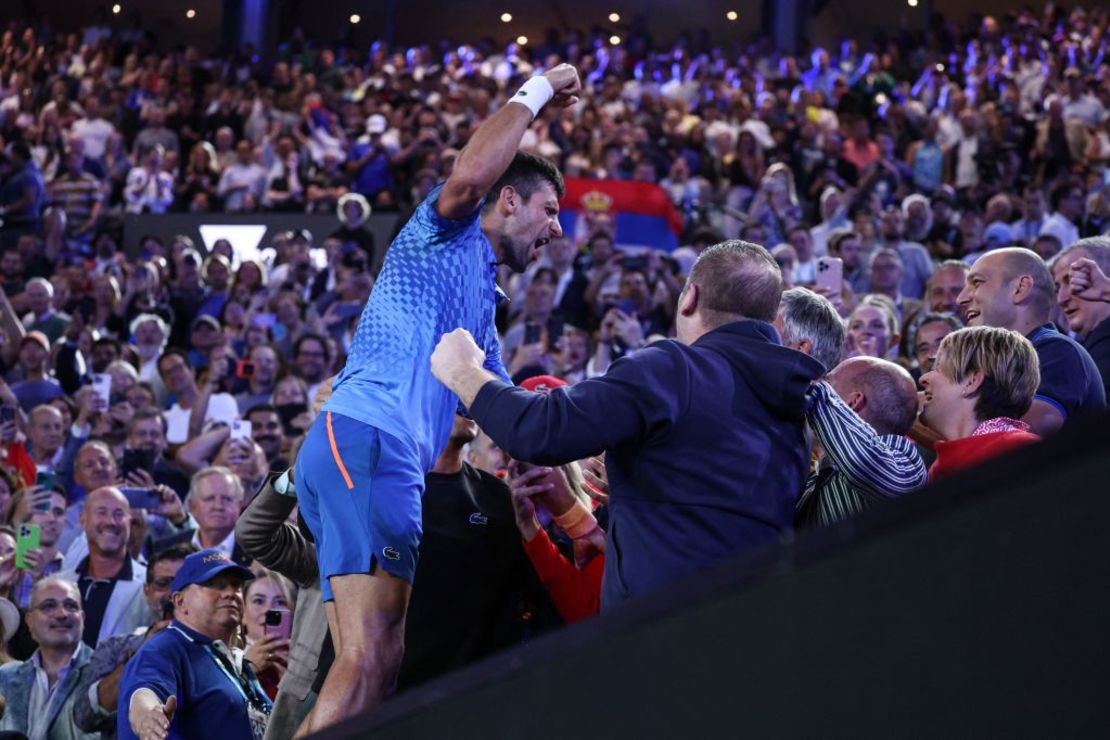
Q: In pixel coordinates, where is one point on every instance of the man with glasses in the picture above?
(187, 681)
(95, 709)
(41, 692)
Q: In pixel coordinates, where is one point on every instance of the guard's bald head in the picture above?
(888, 395)
(1017, 261)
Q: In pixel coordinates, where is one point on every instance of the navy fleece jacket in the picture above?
(706, 448)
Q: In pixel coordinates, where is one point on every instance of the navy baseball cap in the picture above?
(203, 566)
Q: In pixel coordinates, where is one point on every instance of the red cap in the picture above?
(543, 383)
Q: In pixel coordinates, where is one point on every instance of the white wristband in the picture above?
(534, 94)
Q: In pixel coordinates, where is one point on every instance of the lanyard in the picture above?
(249, 688)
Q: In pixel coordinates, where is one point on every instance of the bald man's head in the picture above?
(106, 520)
(881, 392)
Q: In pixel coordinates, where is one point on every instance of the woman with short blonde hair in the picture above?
(982, 383)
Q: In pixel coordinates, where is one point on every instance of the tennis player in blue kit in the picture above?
(359, 476)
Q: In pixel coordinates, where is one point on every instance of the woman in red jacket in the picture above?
(574, 588)
(982, 383)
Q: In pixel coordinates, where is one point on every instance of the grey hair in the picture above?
(886, 252)
(807, 315)
(210, 471)
(1097, 249)
(144, 318)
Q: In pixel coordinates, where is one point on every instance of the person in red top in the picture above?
(574, 588)
(982, 382)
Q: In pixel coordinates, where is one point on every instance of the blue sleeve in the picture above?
(439, 228)
(637, 396)
(1063, 376)
(494, 363)
(156, 667)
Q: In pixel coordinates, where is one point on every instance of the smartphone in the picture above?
(46, 480)
(136, 460)
(241, 429)
(348, 310)
(244, 369)
(532, 333)
(555, 329)
(141, 498)
(627, 306)
(279, 623)
(634, 263)
(288, 412)
(830, 274)
(102, 386)
(28, 539)
(265, 320)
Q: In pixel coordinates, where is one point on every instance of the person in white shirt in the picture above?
(42, 691)
(242, 178)
(215, 500)
(180, 379)
(93, 129)
(149, 189)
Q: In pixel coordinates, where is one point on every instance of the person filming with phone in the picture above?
(267, 626)
(38, 514)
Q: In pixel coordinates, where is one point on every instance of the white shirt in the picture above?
(226, 547)
(95, 133)
(236, 175)
(221, 408)
(967, 169)
(41, 693)
(1061, 228)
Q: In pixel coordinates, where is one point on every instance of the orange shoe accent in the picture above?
(335, 454)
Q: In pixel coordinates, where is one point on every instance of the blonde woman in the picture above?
(981, 384)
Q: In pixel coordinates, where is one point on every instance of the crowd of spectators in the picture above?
(956, 176)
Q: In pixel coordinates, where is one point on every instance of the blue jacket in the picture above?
(706, 448)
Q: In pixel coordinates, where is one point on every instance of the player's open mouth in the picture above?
(541, 242)
(972, 314)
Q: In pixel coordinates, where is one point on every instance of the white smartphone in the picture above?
(102, 386)
(241, 429)
(830, 274)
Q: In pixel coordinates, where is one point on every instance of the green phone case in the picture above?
(28, 539)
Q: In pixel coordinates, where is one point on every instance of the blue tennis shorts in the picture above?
(359, 492)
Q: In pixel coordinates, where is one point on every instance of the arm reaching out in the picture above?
(496, 141)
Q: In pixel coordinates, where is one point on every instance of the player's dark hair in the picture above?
(526, 174)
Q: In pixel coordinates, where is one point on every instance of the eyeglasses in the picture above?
(69, 605)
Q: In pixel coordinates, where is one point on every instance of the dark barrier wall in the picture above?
(976, 609)
(166, 226)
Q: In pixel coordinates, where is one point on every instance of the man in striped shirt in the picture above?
(860, 414)
(78, 194)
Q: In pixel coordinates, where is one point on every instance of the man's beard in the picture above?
(509, 256)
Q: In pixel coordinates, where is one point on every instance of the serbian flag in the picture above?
(643, 214)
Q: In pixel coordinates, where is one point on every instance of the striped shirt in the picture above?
(860, 466)
(77, 196)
